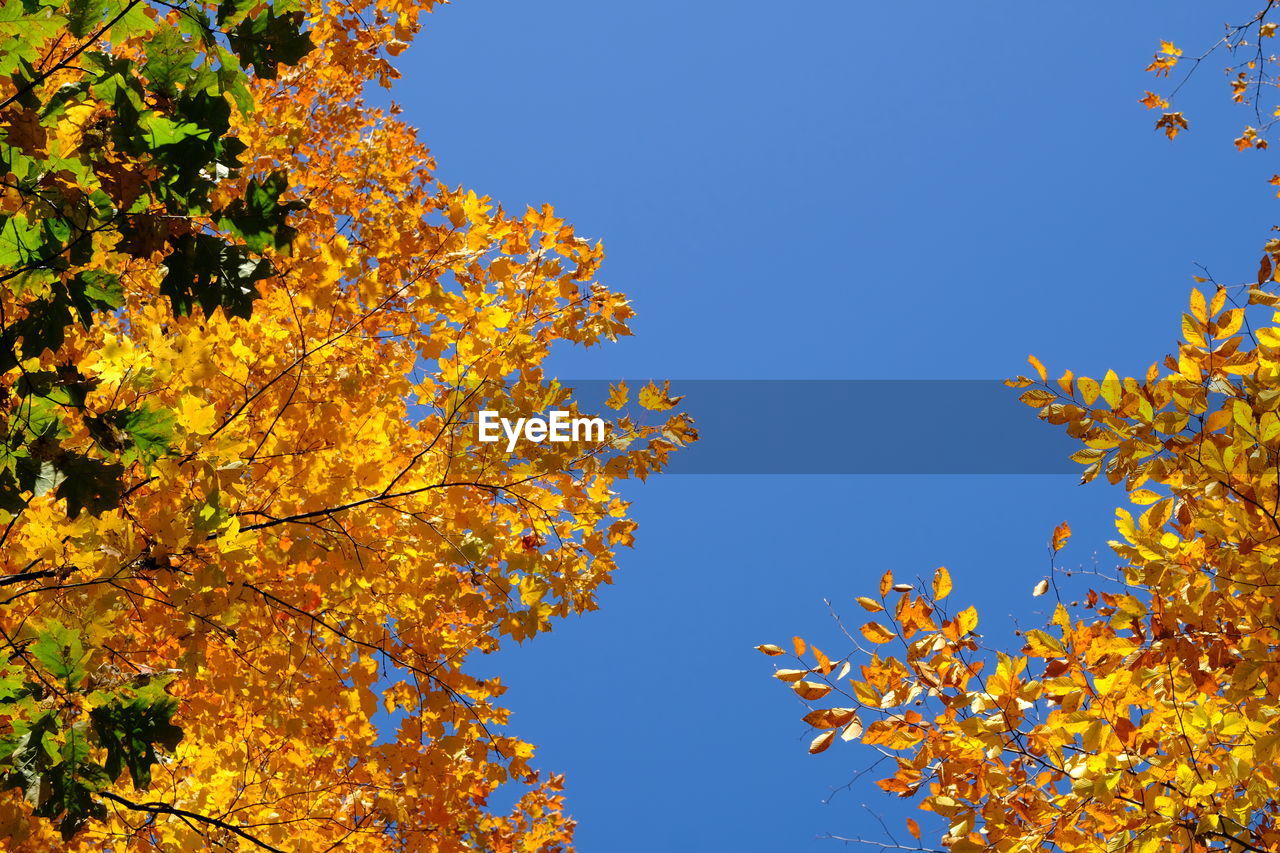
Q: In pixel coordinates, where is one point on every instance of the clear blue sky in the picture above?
(831, 189)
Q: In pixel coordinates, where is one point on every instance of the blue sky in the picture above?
(838, 190)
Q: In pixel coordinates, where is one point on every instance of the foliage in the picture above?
(114, 138)
(250, 331)
(115, 141)
(1143, 715)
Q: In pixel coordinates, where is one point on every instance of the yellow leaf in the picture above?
(886, 583)
(1111, 389)
(799, 645)
(196, 416)
(1038, 397)
(1193, 332)
(1040, 589)
(941, 583)
(1269, 426)
(658, 399)
(966, 620)
(1219, 301)
(617, 396)
(1088, 389)
(870, 604)
(1217, 420)
(810, 690)
(1199, 308)
(821, 742)
(770, 649)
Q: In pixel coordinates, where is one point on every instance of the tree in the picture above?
(1143, 716)
(247, 511)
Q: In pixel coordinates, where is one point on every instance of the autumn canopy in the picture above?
(253, 542)
(242, 507)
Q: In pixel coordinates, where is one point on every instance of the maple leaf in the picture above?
(1172, 124)
(1152, 101)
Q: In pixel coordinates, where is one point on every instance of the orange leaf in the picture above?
(829, 718)
(1040, 368)
(1061, 534)
(877, 633)
(810, 690)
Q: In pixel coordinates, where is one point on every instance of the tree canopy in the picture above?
(250, 539)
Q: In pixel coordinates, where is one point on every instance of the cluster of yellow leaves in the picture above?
(1250, 139)
(331, 542)
(1250, 80)
(1164, 60)
(1143, 717)
(1172, 123)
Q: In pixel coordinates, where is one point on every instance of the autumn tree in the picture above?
(1145, 715)
(244, 333)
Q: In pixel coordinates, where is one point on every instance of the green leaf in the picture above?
(163, 131)
(269, 39)
(207, 270)
(94, 290)
(232, 80)
(170, 59)
(30, 761)
(151, 431)
(259, 218)
(37, 476)
(59, 650)
(130, 731)
(90, 484)
(84, 16)
(132, 23)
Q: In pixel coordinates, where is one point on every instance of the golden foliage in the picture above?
(329, 541)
